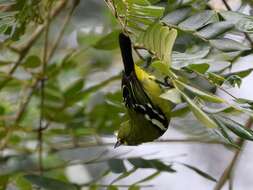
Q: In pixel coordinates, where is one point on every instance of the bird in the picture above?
(148, 115)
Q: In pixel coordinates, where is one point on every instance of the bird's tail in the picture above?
(126, 52)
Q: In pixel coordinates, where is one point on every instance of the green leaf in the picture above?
(138, 15)
(117, 165)
(197, 57)
(108, 42)
(134, 187)
(198, 20)
(177, 16)
(124, 175)
(112, 187)
(233, 16)
(180, 112)
(245, 25)
(154, 1)
(49, 183)
(244, 101)
(228, 45)
(237, 128)
(172, 95)
(32, 62)
(87, 39)
(148, 178)
(208, 24)
(216, 79)
(215, 29)
(155, 164)
(196, 54)
(200, 68)
(160, 45)
(23, 184)
(199, 114)
(200, 172)
(224, 132)
(74, 88)
(234, 81)
(242, 74)
(139, 2)
(94, 187)
(203, 95)
(4, 179)
(161, 67)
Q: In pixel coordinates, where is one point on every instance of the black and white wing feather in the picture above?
(136, 99)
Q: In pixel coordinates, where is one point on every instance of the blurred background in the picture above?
(83, 108)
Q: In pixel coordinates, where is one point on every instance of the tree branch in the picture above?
(229, 169)
(42, 95)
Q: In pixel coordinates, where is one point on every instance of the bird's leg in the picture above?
(166, 82)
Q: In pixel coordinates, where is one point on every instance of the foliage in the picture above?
(62, 97)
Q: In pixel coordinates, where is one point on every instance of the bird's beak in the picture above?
(117, 144)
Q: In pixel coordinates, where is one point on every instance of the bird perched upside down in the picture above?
(149, 115)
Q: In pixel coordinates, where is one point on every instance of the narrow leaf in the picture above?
(155, 164)
(49, 183)
(199, 114)
(32, 61)
(148, 178)
(200, 172)
(74, 88)
(172, 95)
(215, 29)
(108, 42)
(197, 21)
(124, 175)
(228, 45)
(117, 165)
(204, 95)
(237, 128)
(176, 16)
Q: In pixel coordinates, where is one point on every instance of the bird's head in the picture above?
(136, 131)
(124, 135)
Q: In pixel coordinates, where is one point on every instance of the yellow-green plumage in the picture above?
(148, 114)
(153, 90)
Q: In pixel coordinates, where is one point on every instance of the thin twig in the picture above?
(118, 185)
(65, 24)
(81, 144)
(191, 141)
(24, 104)
(19, 115)
(226, 5)
(229, 169)
(44, 65)
(111, 6)
(231, 182)
(6, 7)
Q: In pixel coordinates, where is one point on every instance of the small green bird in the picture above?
(149, 115)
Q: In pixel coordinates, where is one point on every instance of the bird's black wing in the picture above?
(135, 98)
